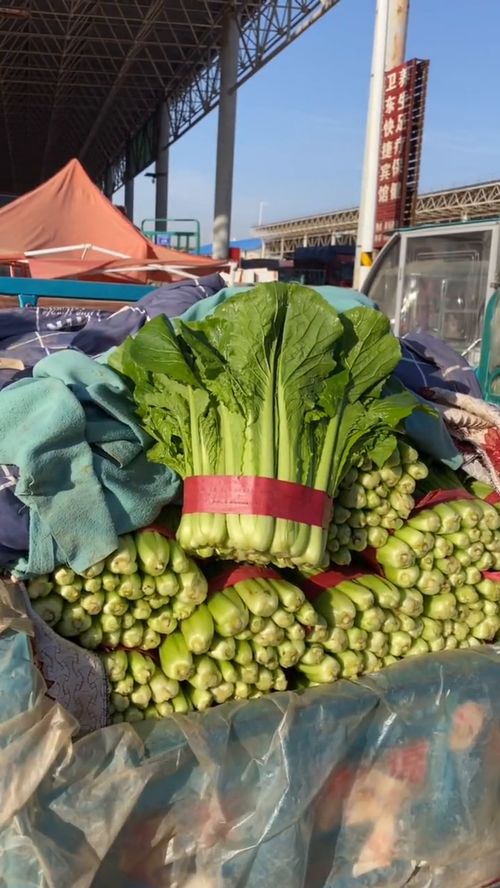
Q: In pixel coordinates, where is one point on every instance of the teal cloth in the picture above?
(72, 432)
(339, 298)
(430, 435)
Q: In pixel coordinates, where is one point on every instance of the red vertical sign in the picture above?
(400, 147)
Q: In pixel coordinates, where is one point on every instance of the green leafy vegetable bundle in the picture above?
(275, 385)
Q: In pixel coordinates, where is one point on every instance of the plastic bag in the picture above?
(390, 781)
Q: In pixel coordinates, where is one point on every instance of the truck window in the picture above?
(382, 286)
(445, 286)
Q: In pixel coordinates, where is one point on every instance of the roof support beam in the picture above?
(161, 169)
(108, 185)
(129, 198)
(142, 35)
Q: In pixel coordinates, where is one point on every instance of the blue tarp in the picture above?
(340, 298)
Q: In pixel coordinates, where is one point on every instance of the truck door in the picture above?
(445, 283)
(436, 280)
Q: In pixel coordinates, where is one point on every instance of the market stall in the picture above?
(264, 605)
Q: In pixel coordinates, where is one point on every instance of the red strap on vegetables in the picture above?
(246, 495)
(370, 556)
(314, 586)
(493, 498)
(442, 496)
(491, 575)
(232, 575)
(160, 528)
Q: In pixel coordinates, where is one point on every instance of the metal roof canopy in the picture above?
(479, 201)
(86, 78)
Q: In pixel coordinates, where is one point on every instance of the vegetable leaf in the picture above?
(157, 349)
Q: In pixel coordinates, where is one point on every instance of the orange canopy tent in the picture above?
(68, 228)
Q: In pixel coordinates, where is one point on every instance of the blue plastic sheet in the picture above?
(391, 781)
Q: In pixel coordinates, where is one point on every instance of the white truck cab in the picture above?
(438, 279)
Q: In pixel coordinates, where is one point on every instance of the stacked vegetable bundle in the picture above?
(132, 600)
(372, 501)
(262, 408)
(138, 688)
(450, 535)
(187, 644)
(372, 623)
(446, 552)
(253, 628)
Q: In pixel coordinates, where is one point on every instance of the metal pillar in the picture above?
(108, 185)
(129, 198)
(396, 33)
(225, 139)
(161, 169)
(368, 204)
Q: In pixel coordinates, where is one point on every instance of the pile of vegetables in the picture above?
(177, 641)
(444, 546)
(133, 599)
(432, 586)
(139, 689)
(373, 623)
(285, 423)
(237, 645)
(373, 501)
(275, 386)
(165, 645)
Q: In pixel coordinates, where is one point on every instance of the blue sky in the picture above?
(301, 120)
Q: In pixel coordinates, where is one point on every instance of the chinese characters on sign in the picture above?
(401, 140)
